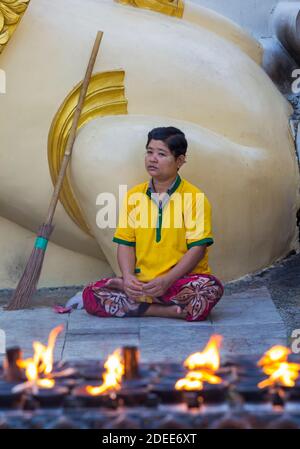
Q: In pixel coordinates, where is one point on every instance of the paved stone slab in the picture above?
(249, 322)
(249, 338)
(81, 321)
(93, 337)
(250, 307)
(22, 327)
(153, 322)
(172, 340)
(96, 346)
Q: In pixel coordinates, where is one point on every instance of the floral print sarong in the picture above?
(196, 293)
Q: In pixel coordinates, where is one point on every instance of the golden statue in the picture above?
(197, 71)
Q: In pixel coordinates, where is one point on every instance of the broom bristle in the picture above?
(29, 280)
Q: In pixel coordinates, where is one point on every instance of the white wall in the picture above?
(253, 15)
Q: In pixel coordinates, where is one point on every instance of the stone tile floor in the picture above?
(248, 321)
(256, 312)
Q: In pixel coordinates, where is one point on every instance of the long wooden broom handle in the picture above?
(72, 135)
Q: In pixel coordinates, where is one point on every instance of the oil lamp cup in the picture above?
(133, 396)
(85, 399)
(293, 393)
(92, 372)
(133, 392)
(292, 397)
(7, 397)
(214, 394)
(191, 399)
(165, 390)
(250, 393)
(226, 373)
(249, 376)
(51, 397)
(68, 383)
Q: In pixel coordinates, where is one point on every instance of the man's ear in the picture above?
(181, 160)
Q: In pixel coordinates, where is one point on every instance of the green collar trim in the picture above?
(170, 191)
(175, 186)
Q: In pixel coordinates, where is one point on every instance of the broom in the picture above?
(29, 280)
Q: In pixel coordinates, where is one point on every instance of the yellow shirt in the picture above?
(162, 228)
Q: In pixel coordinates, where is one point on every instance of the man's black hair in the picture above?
(172, 137)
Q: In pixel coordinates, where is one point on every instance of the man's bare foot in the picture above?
(163, 311)
(115, 283)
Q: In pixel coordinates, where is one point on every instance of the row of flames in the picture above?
(202, 367)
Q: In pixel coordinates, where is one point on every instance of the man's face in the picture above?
(160, 162)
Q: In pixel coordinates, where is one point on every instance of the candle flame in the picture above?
(112, 377)
(275, 354)
(202, 366)
(274, 363)
(41, 363)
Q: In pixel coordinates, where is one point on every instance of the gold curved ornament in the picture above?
(11, 12)
(169, 7)
(105, 96)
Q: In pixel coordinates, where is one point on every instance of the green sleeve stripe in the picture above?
(209, 241)
(123, 242)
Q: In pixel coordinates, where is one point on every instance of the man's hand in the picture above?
(132, 287)
(158, 286)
